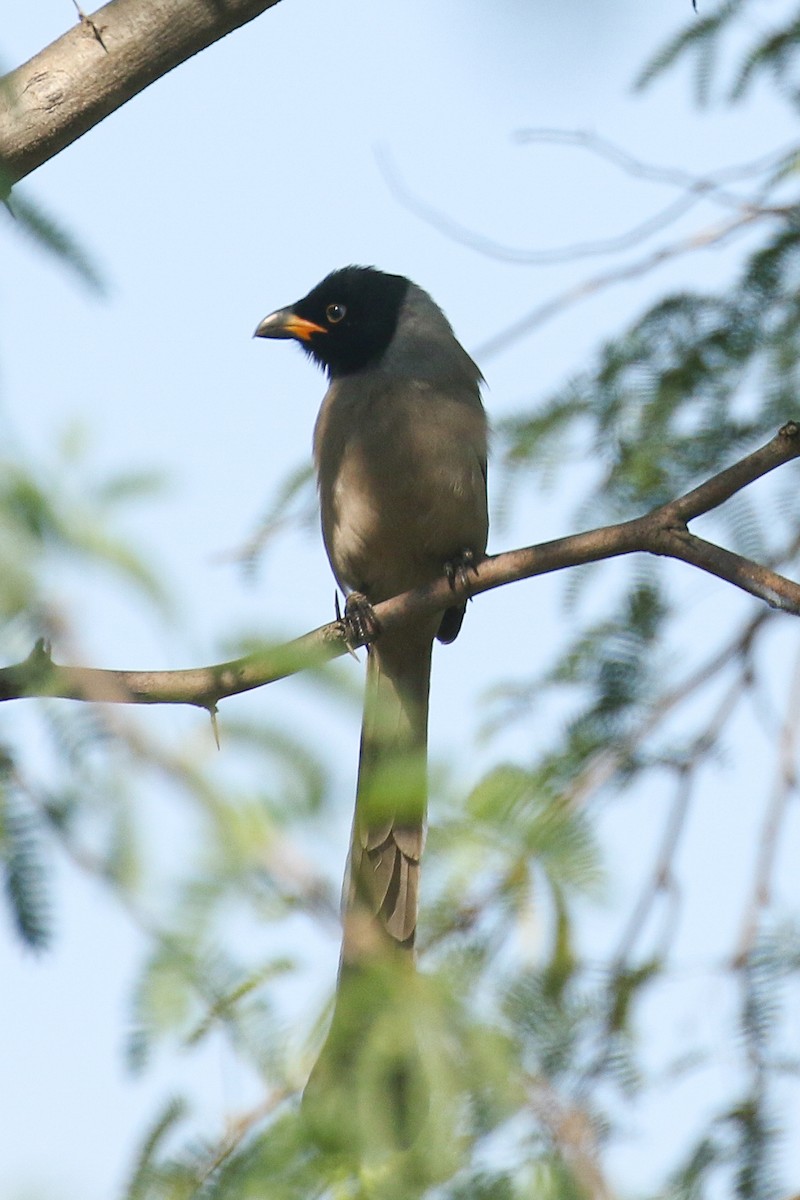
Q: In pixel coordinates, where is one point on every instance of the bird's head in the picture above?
(346, 322)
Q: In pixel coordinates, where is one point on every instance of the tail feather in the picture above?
(394, 880)
(371, 1055)
(389, 826)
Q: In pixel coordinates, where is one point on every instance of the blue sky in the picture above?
(225, 190)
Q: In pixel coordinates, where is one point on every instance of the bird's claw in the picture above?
(359, 621)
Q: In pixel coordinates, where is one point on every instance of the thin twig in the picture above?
(573, 1134)
(750, 576)
(672, 176)
(714, 236)
(662, 877)
(237, 1130)
(784, 787)
(695, 188)
(482, 244)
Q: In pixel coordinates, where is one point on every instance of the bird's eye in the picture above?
(335, 313)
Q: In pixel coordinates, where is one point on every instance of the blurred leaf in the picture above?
(47, 233)
(165, 1000)
(700, 36)
(563, 962)
(625, 987)
(224, 1008)
(22, 854)
(145, 1171)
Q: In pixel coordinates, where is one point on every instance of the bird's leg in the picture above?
(361, 625)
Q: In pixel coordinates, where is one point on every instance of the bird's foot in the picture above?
(458, 569)
(360, 623)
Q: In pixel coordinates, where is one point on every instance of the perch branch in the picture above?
(663, 532)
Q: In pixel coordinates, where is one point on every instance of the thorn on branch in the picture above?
(88, 23)
(39, 663)
(41, 655)
(212, 712)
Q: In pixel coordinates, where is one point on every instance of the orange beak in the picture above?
(285, 323)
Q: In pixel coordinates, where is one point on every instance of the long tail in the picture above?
(382, 891)
(371, 1062)
(370, 1085)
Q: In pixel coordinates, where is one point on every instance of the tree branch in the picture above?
(694, 190)
(103, 61)
(662, 531)
(662, 879)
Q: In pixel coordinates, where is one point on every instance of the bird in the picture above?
(400, 450)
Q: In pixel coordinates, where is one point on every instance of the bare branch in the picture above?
(694, 189)
(746, 210)
(759, 581)
(711, 182)
(662, 880)
(571, 1129)
(662, 531)
(238, 1128)
(716, 235)
(105, 60)
(481, 244)
(715, 491)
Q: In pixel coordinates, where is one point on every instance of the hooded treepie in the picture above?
(400, 449)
